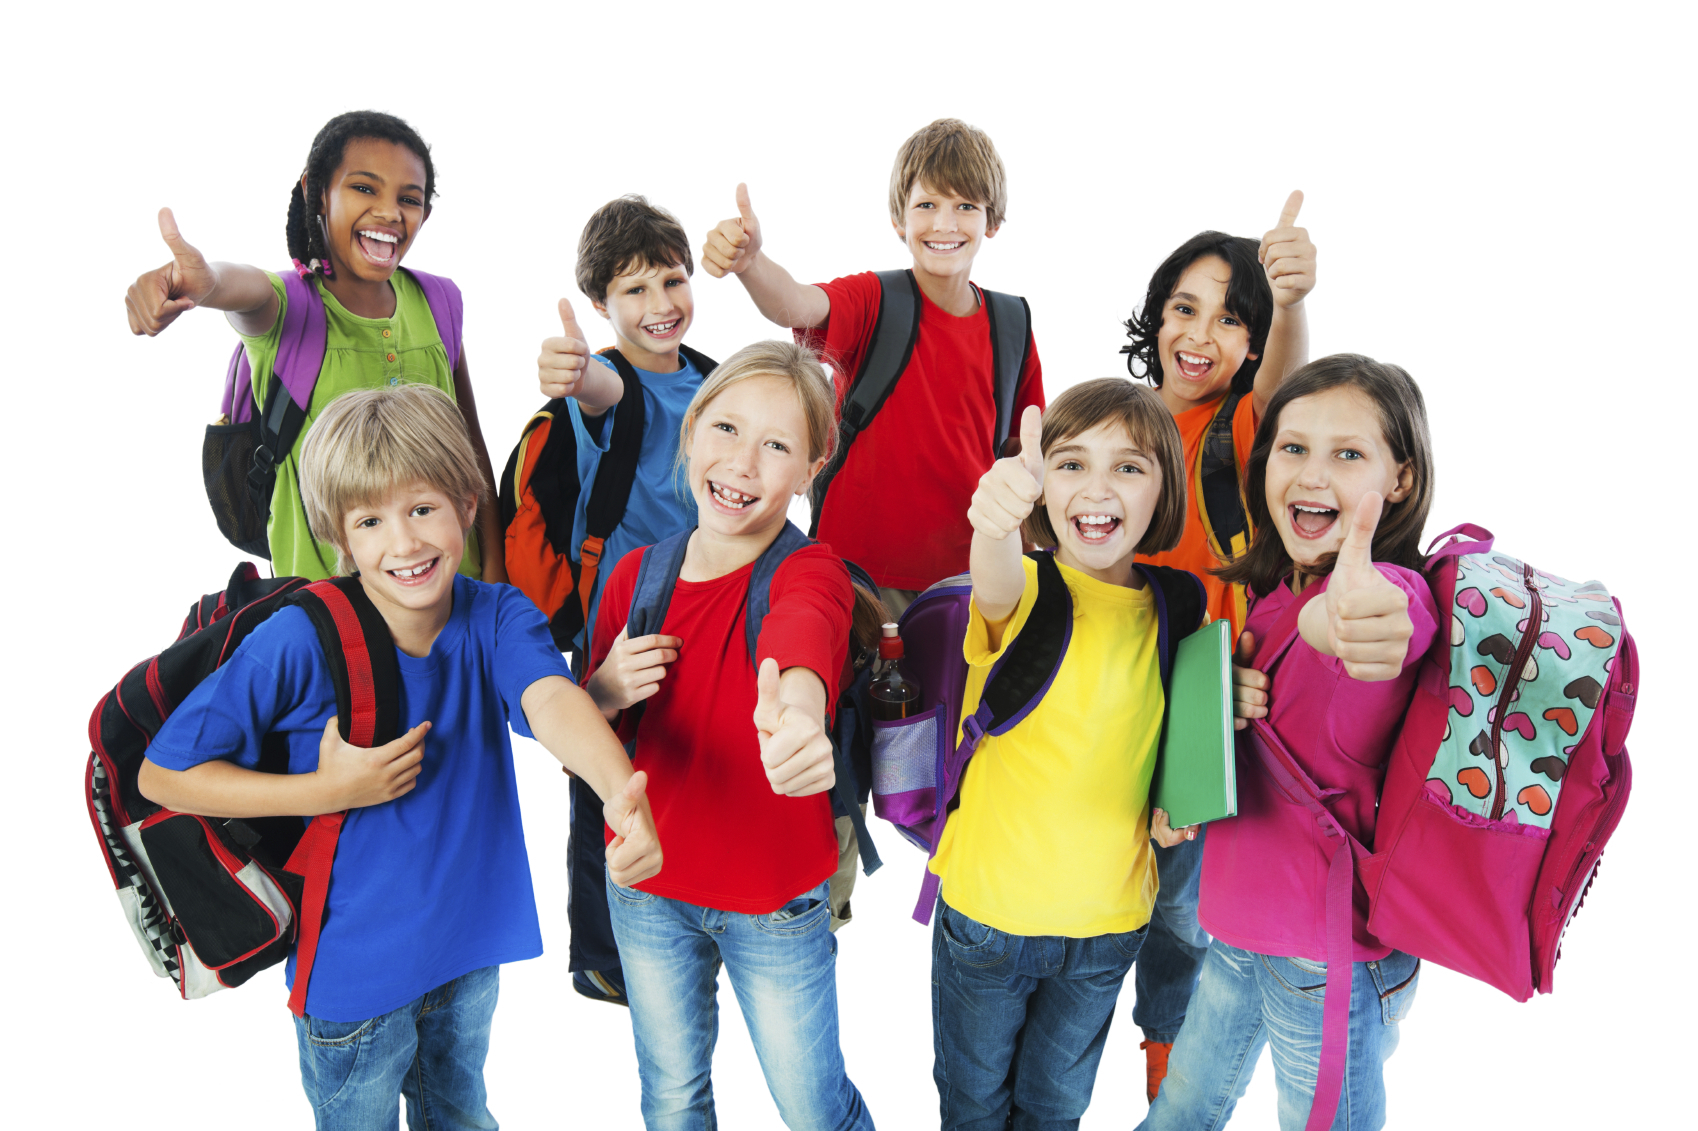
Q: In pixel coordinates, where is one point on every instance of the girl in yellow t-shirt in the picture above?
(1047, 877)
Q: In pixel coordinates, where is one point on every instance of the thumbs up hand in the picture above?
(732, 246)
(156, 298)
(564, 360)
(633, 855)
(1249, 686)
(1011, 488)
(1288, 257)
(1366, 617)
(795, 749)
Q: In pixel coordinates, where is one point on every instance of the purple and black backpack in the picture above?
(239, 458)
(918, 765)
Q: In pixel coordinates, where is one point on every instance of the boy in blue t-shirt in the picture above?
(634, 265)
(431, 889)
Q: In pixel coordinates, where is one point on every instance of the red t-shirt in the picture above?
(898, 507)
(730, 842)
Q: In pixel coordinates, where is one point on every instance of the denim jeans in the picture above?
(431, 1051)
(1246, 1000)
(1172, 958)
(1019, 1022)
(783, 968)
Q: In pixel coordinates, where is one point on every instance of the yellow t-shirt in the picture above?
(1052, 836)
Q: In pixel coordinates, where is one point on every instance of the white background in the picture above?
(1502, 202)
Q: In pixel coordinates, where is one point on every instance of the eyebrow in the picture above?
(380, 180)
(1065, 449)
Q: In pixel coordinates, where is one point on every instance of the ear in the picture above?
(813, 469)
(990, 233)
(1405, 484)
(901, 232)
(600, 305)
(1252, 357)
(469, 513)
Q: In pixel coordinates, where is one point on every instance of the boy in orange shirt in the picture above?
(1221, 326)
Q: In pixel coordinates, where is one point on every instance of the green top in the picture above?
(360, 353)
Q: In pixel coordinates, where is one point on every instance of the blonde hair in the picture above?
(1151, 426)
(951, 156)
(787, 361)
(368, 442)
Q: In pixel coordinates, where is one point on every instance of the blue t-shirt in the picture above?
(661, 504)
(435, 883)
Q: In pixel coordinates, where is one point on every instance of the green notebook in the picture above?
(1194, 778)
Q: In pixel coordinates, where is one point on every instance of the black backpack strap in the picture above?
(1217, 485)
(703, 363)
(888, 353)
(1028, 667)
(657, 573)
(1181, 602)
(280, 423)
(1011, 341)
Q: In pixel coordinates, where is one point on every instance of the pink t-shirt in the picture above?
(1265, 870)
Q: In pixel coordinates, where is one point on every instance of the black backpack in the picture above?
(213, 901)
(542, 562)
(892, 347)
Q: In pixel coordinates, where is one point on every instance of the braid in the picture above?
(303, 232)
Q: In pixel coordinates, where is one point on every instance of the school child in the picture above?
(1339, 483)
(1047, 871)
(1221, 325)
(938, 431)
(430, 890)
(634, 265)
(739, 759)
(353, 216)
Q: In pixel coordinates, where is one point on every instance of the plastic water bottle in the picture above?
(894, 695)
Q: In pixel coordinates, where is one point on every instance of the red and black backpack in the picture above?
(213, 901)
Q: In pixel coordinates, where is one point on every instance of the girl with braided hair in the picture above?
(354, 213)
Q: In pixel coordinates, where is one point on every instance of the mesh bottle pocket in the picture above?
(226, 457)
(906, 754)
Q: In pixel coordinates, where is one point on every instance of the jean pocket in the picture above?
(628, 896)
(1129, 943)
(335, 1034)
(1395, 977)
(799, 916)
(1302, 976)
(971, 942)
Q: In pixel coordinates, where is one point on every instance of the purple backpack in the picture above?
(1508, 777)
(918, 765)
(239, 457)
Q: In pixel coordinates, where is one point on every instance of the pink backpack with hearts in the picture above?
(1506, 782)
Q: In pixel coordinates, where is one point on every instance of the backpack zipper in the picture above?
(1517, 669)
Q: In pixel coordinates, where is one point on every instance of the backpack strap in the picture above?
(614, 476)
(447, 308)
(1011, 340)
(657, 573)
(703, 363)
(288, 395)
(889, 350)
(1221, 502)
(367, 677)
(1180, 602)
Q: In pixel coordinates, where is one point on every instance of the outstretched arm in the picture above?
(1289, 260)
(790, 722)
(564, 369)
(1005, 497)
(157, 297)
(734, 248)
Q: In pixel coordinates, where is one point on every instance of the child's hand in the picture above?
(632, 671)
(355, 776)
(795, 749)
(731, 247)
(1249, 686)
(633, 855)
(1288, 257)
(564, 360)
(1166, 835)
(1008, 491)
(155, 299)
(1367, 617)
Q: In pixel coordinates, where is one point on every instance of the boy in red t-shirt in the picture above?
(1221, 326)
(936, 434)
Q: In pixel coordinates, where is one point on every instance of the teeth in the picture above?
(1193, 359)
(1096, 519)
(943, 246)
(1312, 510)
(662, 327)
(384, 236)
(736, 498)
(414, 572)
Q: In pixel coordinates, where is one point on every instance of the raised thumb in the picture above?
(1031, 441)
(767, 706)
(568, 319)
(744, 208)
(1357, 553)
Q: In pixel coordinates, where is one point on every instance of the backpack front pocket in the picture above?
(226, 458)
(906, 756)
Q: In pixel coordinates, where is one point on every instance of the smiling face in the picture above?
(650, 310)
(1329, 451)
(407, 548)
(749, 457)
(373, 206)
(1201, 343)
(943, 231)
(1100, 491)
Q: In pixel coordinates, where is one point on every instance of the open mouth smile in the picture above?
(729, 501)
(663, 329)
(1095, 529)
(1193, 366)
(412, 576)
(945, 246)
(1310, 520)
(379, 246)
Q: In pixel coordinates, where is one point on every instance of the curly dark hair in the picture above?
(1248, 297)
(306, 240)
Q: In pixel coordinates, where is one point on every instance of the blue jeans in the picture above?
(431, 1051)
(1019, 1021)
(783, 967)
(1246, 1000)
(1172, 958)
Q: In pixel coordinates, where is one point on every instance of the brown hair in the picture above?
(625, 234)
(1151, 426)
(951, 156)
(370, 441)
(1403, 421)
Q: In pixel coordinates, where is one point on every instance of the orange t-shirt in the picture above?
(1193, 551)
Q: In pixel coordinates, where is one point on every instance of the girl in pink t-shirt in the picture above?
(1338, 486)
